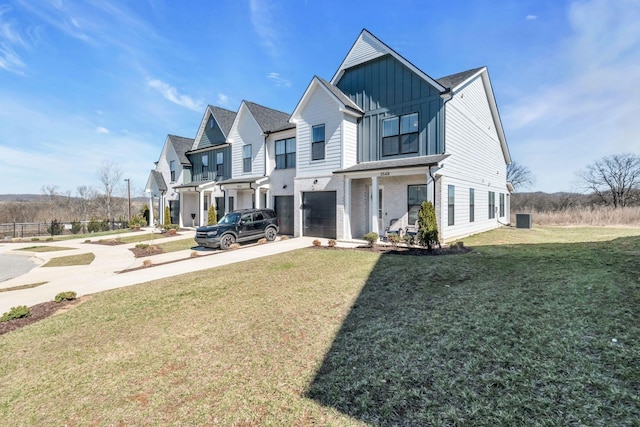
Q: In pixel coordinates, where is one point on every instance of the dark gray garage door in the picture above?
(319, 214)
(284, 209)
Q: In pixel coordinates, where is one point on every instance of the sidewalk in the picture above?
(104, 272)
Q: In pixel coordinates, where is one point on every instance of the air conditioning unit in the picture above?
(523, 220)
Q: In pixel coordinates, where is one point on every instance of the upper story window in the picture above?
(317, 142)
(246, 158)
(400, 135)
(172, 169)
(219, 164)
(286, 153)
(205, 167)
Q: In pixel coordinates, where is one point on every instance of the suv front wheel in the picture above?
(270, 234)
(226, 241)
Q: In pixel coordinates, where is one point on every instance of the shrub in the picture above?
(284, 237)
(147, 263)
(317, 242)
(427, 225)
(142, 246)
(76, 226)
(194, 254)
(49, 239)
(172, 232)
(371, 238)
(34, 239)
(65, 296)
(409, 239)
(262, 241)
(331, 243)
(96, 225)
(144, 212)
(168, 227)
(16, 313)
(234, 246)
(212, 216)
(137, 221)
(167, 216)
(55, 228)
(394, 239)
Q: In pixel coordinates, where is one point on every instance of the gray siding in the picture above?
(211, 137)
(384, 87)
(196, 161)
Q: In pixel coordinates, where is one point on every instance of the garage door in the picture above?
(284, 210)
(319, 214)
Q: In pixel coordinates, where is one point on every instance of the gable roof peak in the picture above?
(269, 119)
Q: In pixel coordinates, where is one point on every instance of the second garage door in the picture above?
(319, 214)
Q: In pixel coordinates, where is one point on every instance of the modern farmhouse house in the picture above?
(382, 136)
(358, 152)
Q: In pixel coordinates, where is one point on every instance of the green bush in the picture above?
(55, 229)
(212, 217)
(76, 226)
(427, 226)
(16, 313)
(65, 296)
(142, 246)
(409, 239)
(394, 239)
(168, 227)
(371, 238)
(137, 221)
(96, 225)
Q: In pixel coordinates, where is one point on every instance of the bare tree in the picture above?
(85, 195)
(519, 176)
(614, 179)
(110, 176)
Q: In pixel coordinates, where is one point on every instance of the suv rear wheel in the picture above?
(270, 234)
(226, 241)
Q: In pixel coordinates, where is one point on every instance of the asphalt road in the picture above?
(14, 265)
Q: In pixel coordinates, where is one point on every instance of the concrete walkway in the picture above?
(105, 272)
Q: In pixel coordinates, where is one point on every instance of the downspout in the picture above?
(446, 97)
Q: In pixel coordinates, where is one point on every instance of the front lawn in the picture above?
(515, 334)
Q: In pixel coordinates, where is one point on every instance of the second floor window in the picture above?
(172, 168)
(219, 164)
(400, 135)
(205, 167)
(246, 158)
(286, 153)
(317, 142)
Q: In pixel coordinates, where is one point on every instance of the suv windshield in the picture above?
(231, 218)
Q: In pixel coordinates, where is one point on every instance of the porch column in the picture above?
(256, 198)
(201, 208)
(347, 209)
(150, 210)
(374, 205)
(269, 202)
(181, 211)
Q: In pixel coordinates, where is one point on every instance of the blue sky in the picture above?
(84, 81)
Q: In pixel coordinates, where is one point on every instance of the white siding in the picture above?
(365, 49)
(320, 109)
(280, 180)
(245, 131)
(349, 142)
(476, 161)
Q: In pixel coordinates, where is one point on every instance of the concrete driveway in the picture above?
(104, 272)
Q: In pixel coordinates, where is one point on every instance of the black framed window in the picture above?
(220, 163)
(400, 135)
(501, 205)
(205, 167)
(172, 169)
(246, 158)
(416, 194)
(317, 142)
(286, 153)
(492, 204)
(472, 205)
(451, 206)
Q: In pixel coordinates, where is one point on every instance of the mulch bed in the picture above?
(38, 312)
(148, 251)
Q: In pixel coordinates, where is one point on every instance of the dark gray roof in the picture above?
(224, 118)
(340, 95)
(408, 162)
(159, 180)
(181, 145)
(455, 79)
(268, 119)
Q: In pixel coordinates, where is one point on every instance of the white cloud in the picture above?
(278, 81)
(102, 130)
(264, 24)
(531, 17)
(587, 111)
(10, 38)
(172, 95)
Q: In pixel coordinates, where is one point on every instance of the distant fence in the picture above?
(33, 229)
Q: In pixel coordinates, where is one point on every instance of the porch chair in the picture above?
(395, 227)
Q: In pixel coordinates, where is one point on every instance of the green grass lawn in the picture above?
(525, 332)
(44, 249)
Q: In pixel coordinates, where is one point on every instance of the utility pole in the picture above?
(129, 196)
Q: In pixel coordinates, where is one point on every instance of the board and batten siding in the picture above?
(320, 109)
(196, 161)
(476, 161)
(385, 87)
(247, 131)
(211, 137)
